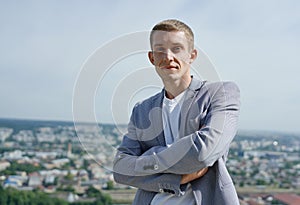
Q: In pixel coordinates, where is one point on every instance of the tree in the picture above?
(110, 185)
(93, 192)
(11, 196)
(101, 199)
(14, 167)
(261, 182)
(69, 176)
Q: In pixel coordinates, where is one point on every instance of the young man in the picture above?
(177, 141)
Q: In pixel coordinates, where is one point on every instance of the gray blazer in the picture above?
(207, 125)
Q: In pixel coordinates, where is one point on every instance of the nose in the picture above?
(169, 56)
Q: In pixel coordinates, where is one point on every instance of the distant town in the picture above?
(67, 162)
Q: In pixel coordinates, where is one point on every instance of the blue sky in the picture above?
(44, 45)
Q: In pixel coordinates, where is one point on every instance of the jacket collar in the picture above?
(194, 86)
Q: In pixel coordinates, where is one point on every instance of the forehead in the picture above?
(172, 37)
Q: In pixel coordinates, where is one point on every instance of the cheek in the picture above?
(184, 58)
(157, 58)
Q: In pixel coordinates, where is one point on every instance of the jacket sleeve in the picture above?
(203, 147)
(128, 153)
(192, 152)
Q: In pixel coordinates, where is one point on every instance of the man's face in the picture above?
(171, 55)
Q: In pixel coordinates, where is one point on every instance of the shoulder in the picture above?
(226, 87)
(219, 86)
(219, 93)
(143, 110)
(152, 101)
(222, 85)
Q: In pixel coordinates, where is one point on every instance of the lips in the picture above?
(170, 67)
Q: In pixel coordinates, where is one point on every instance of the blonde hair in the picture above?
(174, 25)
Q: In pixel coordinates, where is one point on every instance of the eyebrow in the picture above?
(177, 44)
(157, 45)
(173, 44)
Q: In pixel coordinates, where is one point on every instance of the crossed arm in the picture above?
(159, 168)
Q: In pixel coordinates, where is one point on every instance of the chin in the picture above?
(172, 77)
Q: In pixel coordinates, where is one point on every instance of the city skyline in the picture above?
(51, 157)
(44, 45)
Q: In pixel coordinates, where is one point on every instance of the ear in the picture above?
(194, 54)
(150, 56)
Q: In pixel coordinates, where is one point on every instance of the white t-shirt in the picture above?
(170, 114)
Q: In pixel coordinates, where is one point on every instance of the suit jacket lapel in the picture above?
(156, 118)
(188, 100)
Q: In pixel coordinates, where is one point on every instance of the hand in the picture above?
(195, 175)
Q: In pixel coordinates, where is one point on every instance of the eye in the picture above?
(176, 49)
(159, 49)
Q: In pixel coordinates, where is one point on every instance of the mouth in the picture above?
(170, 67)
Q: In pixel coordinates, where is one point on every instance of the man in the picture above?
(177, 141)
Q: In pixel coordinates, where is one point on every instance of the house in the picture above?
(35, 181)
(288, 199)
(4, 165)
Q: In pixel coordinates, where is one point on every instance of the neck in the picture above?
(174, 88)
